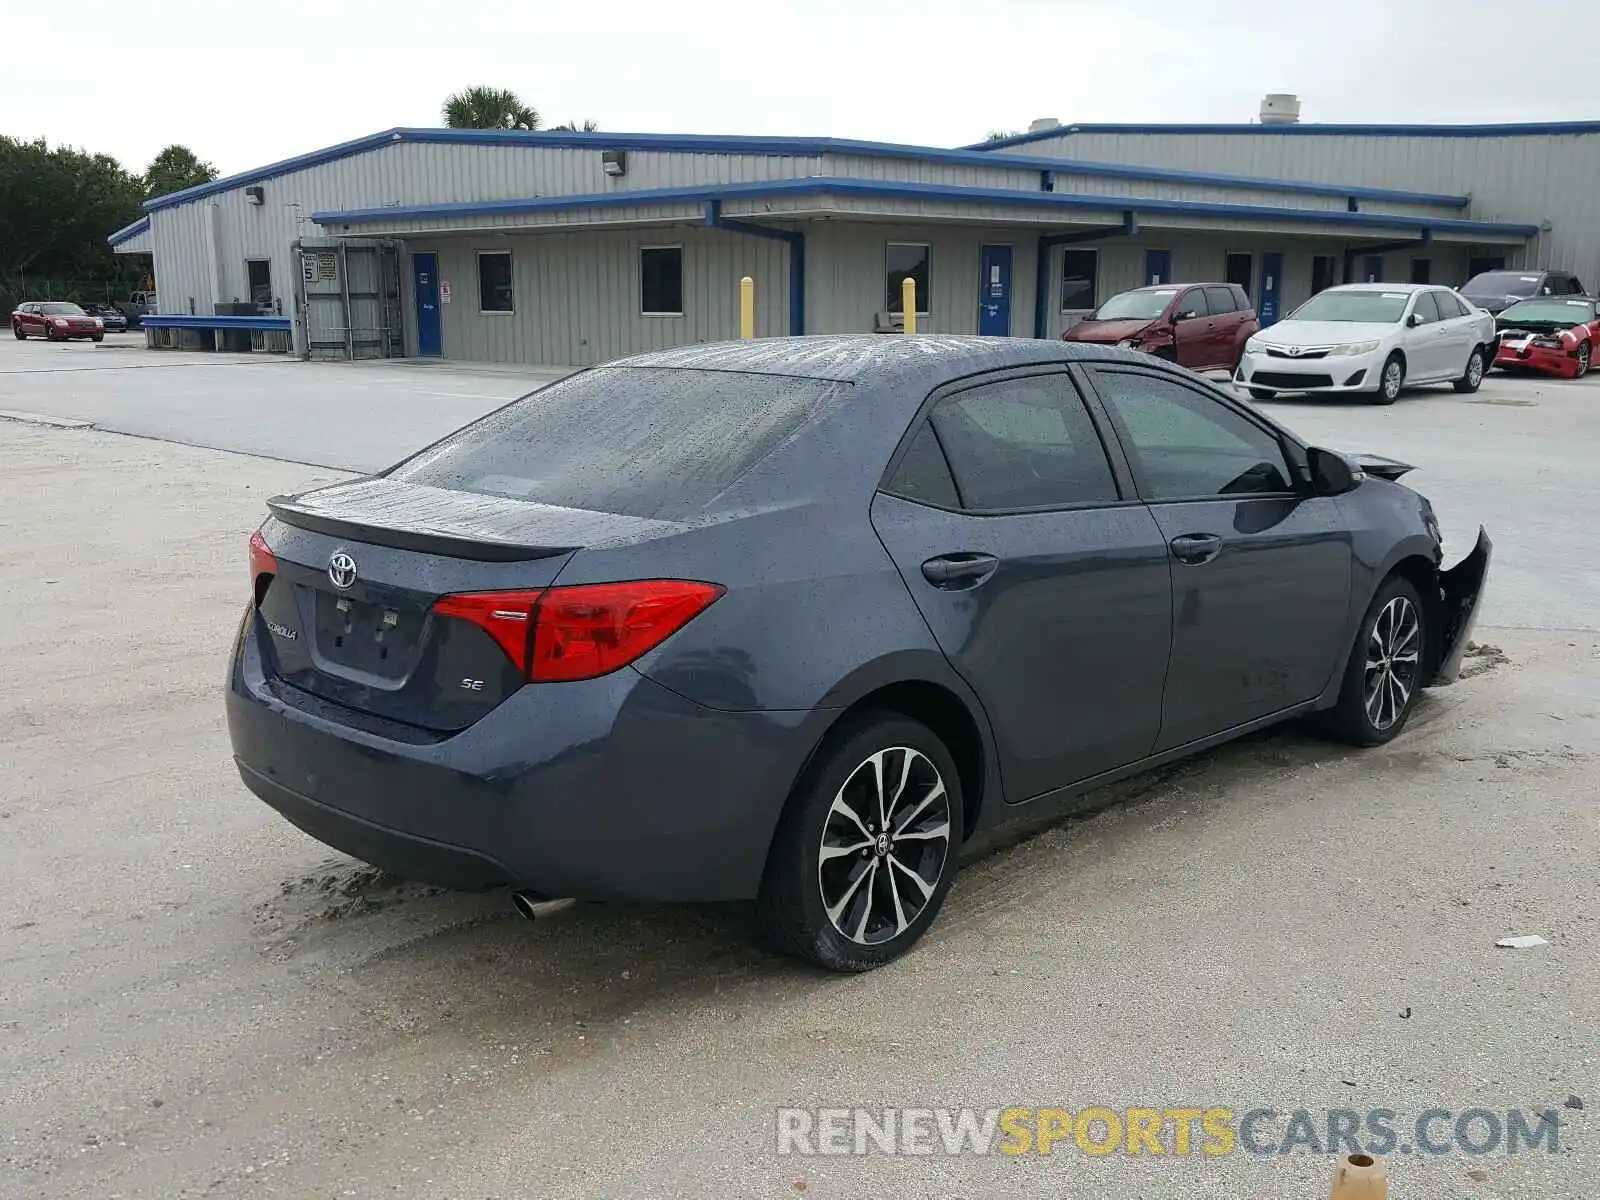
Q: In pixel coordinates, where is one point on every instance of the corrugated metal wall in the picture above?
(1510, 178)
(578, 294)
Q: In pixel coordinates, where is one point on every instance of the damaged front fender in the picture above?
(1460, 593)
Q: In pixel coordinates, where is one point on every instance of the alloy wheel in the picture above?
(884, 845)
(1393, 663)
(1475, 370)
(1583, 360)
(1391, 380)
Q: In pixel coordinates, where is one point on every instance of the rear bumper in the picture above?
(612, 789)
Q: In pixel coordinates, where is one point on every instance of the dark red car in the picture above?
(1553, 334)
(55, 321)
(1202, 326)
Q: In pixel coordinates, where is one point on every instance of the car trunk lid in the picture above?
(350, 613)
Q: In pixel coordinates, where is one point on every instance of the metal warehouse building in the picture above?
(572, 248)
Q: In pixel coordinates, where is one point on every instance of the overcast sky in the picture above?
(244, 84)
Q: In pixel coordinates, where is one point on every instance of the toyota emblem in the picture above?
(1295, 350)
(342, 570)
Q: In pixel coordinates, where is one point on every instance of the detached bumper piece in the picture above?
(1462, 592)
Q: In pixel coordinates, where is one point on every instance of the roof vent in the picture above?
(1040, 124)
(1280, 108)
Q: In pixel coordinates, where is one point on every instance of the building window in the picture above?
(661, 281)
(1322, 268)
(908, 260)
(1237, 270)
(258, 275)
(1080, 280)
(1421, 270)
(495, 293)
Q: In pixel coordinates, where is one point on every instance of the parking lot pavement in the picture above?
(197, 999)
(360, 416)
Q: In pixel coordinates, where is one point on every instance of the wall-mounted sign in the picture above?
(444, 291)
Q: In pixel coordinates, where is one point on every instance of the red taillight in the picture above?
(507, 617)
(261, 561)
(571, 633)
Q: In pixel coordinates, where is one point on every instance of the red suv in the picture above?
(55, 320)
(1202, 326)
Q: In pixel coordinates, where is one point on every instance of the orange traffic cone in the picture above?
(1361, 1177)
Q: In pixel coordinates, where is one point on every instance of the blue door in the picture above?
(1271, 287)
(994, 292)
(425, 283)
(1157, 267)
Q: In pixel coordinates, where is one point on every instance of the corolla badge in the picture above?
(341, 570)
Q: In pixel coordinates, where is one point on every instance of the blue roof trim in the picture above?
(807, 147)
(1526, 129)
(128, 232)
(822, 184)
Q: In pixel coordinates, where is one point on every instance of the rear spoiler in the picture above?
(1383, 468)
(288, 510)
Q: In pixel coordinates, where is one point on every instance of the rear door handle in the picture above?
(1195, 548)
(954, 572)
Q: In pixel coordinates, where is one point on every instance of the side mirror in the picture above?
(1332, 474)
(1179, 316)
(1414, 320)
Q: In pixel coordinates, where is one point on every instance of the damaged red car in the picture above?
(1553, 334)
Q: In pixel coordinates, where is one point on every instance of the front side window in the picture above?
(1023, 443)
(661, 281)
(1080, 279)
(495, 293)
(908, 260)
(1426, 311)
(1184, 444)
(1193, 304)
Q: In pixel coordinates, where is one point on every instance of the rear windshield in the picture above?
(1363, 307)
(646, 442)
(1502, 283)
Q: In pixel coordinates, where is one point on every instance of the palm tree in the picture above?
(488, 108)
(573, 127)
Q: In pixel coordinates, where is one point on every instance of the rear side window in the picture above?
(923, 474)
(1023, 443)
(1449, 307)
(1221, 300)
(645, 442)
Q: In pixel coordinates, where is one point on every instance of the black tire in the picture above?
(19, 332)
(792, 912)
(1383, 636)
(1472, 377)
(1390, 380)
(98, 337)
(1261, 394)
(1165, 354)
(1584, 354)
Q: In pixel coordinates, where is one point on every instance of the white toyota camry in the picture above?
(1374, 338)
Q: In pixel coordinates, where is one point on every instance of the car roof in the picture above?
(1388, 287)
(864, 358)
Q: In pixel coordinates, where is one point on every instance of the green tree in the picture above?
(1000, 135)
(575, 127)
(176, 168)
(56, 208)
(488, 108)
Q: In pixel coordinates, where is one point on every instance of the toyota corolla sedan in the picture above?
(792, 620)
(1373, 339)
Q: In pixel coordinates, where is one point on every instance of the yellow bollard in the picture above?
(908, 303)
(1361, 1177)
(747, 307)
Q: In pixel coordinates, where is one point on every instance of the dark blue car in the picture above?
(791, 620)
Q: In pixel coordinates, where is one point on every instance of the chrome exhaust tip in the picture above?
(536, 907)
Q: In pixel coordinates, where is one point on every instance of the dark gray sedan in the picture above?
(792, 620)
